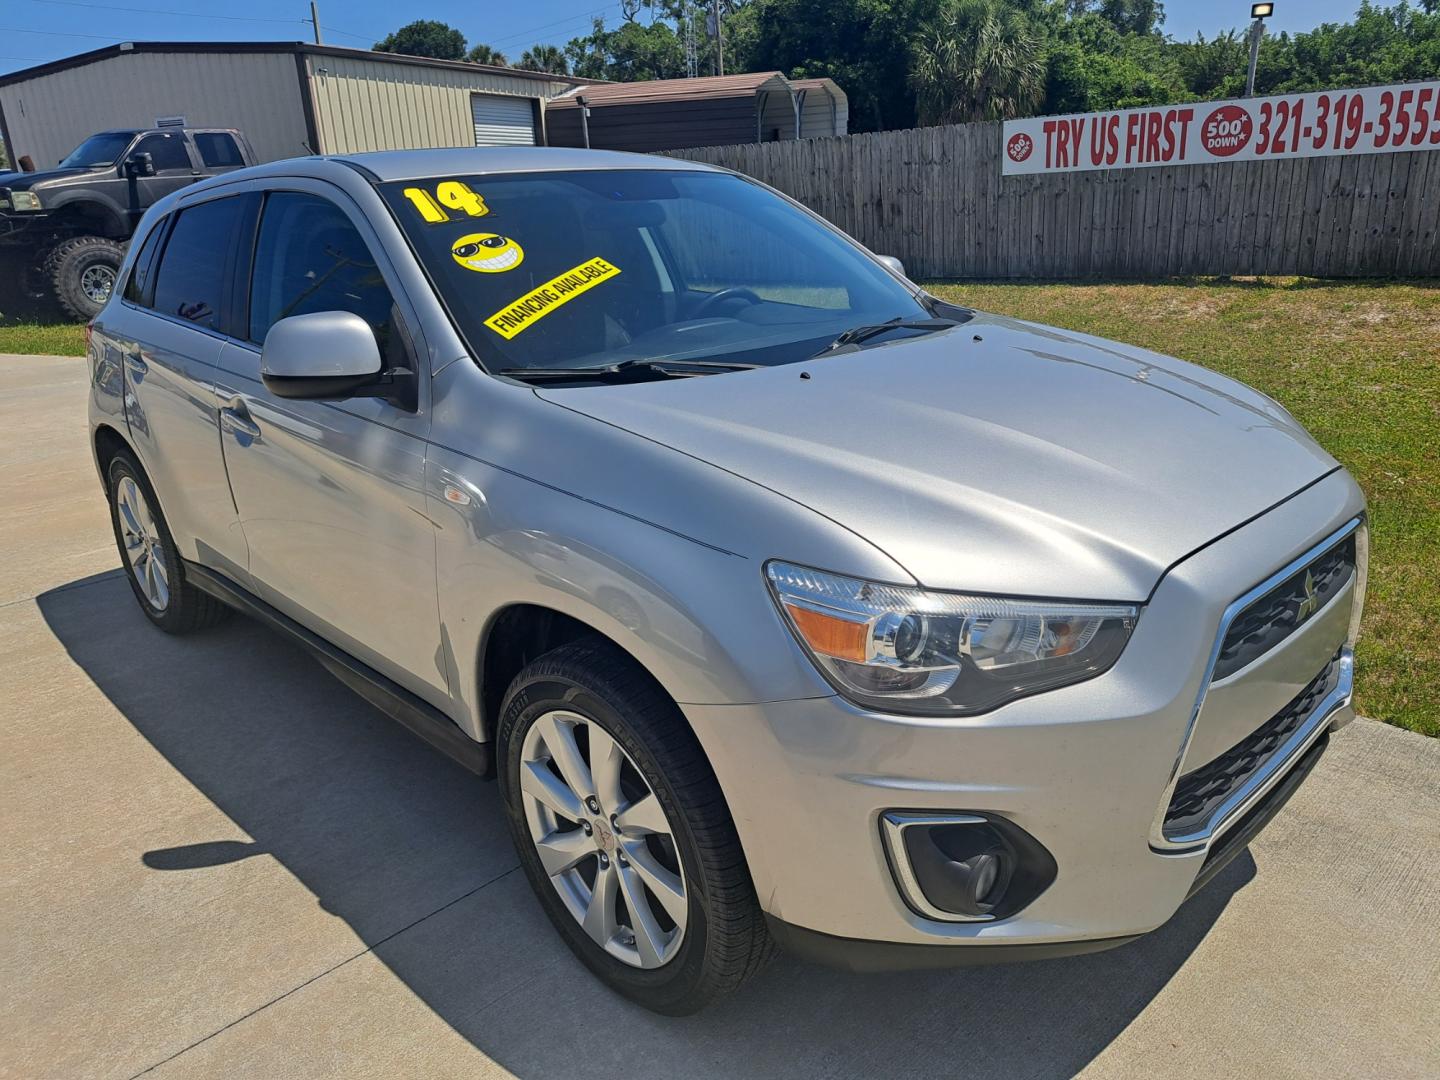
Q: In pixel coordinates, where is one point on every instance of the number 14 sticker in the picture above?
(452, 193)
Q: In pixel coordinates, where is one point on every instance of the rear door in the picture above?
(169, 329)
(330, 494)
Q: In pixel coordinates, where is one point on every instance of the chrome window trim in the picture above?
(1264, 778)
(893, 824)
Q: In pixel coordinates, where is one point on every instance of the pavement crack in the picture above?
(336, 967)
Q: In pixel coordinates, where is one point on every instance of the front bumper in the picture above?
(1084, 770)
(14, 227)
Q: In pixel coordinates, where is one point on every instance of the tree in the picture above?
(425, 37)
(864, 45)
(634, 52)
(484, 54)
(978, 60)
(547, 58)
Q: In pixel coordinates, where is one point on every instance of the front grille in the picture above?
(1276, 615)
(1199, 793)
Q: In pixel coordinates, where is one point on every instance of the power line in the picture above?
(521, 35)
(58, 33)
(159, 11)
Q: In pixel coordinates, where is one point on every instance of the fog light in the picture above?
(962, 867)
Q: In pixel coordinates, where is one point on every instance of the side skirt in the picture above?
(389, 697)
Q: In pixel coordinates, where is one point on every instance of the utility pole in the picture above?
(1258, 12)
(315, 21)
(719, 38)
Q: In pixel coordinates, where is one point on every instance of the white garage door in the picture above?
(503, 121)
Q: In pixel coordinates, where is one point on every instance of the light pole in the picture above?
(1258, 12)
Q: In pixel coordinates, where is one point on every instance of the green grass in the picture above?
(1357, 364)
(31, 335)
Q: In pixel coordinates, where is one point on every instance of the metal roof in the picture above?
(658, 90)
(109, 51)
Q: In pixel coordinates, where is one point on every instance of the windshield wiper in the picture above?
(857, 335)
(628, 370)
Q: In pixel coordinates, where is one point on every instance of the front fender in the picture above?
(698, 618)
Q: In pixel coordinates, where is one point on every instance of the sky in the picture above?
(35, 31)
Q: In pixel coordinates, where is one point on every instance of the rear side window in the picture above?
(166, 150)
(192, 277)
(310, 257)
(218, 150)
(142, 276)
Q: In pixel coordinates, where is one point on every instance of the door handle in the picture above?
(237, 423)
(136, 365)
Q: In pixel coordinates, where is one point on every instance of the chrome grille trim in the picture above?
(1264, 778)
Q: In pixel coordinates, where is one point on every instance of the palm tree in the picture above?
(484, 54)
(547, 58)
(980, 60)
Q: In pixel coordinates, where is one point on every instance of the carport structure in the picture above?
(674, 114)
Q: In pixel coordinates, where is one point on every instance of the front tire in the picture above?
(623, 831)
(152, 564)
(82, 272)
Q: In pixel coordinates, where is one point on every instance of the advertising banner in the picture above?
(1373, 120)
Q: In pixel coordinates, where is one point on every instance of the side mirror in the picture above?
(893, 263)
(324, 356)
(141, 164)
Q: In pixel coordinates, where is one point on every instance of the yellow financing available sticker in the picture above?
(529, 309)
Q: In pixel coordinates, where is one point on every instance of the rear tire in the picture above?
(152, 564)
(674, 829)
(82, 273)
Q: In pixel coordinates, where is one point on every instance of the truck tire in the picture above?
(82, 272)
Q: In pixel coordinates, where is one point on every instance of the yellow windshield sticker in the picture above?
(452, 193)
(487, 253)
(529, 309)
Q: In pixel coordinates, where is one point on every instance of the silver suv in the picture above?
(788, 603)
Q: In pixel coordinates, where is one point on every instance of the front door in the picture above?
(330, 494)
(174, 169)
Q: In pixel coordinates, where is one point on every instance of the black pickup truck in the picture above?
(72, 222)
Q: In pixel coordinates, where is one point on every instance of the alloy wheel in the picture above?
(141, 539)
(97, 283)
(603, 839)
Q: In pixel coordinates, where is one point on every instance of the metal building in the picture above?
(289, 98)
(678, 114)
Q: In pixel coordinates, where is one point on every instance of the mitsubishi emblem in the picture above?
(1311, 603)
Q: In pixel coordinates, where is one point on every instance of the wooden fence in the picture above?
(934, 197)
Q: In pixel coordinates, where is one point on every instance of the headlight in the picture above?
(24, 200)
(907, 650)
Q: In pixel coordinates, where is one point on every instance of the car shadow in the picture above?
(391, 836)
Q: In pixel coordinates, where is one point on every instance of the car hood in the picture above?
(24, 181)
(1000, 456)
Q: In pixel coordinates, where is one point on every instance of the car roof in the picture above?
(387, 165)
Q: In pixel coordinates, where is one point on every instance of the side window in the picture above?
(218, 150)
(309, 257)
(166, 149)
(191, 280)
(142, 275)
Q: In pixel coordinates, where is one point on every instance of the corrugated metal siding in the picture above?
(259, 93)
(374, 105)
(502, 120)
(662, 125)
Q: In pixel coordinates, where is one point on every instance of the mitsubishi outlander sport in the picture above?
(788, 603)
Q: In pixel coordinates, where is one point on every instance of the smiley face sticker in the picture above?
(487, 253)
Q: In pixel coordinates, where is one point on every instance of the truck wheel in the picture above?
(82, 272)
(623, 831)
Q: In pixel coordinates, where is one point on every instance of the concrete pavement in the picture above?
(216, 861)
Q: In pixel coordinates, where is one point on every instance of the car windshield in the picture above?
(593, 269)
(103, 149)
